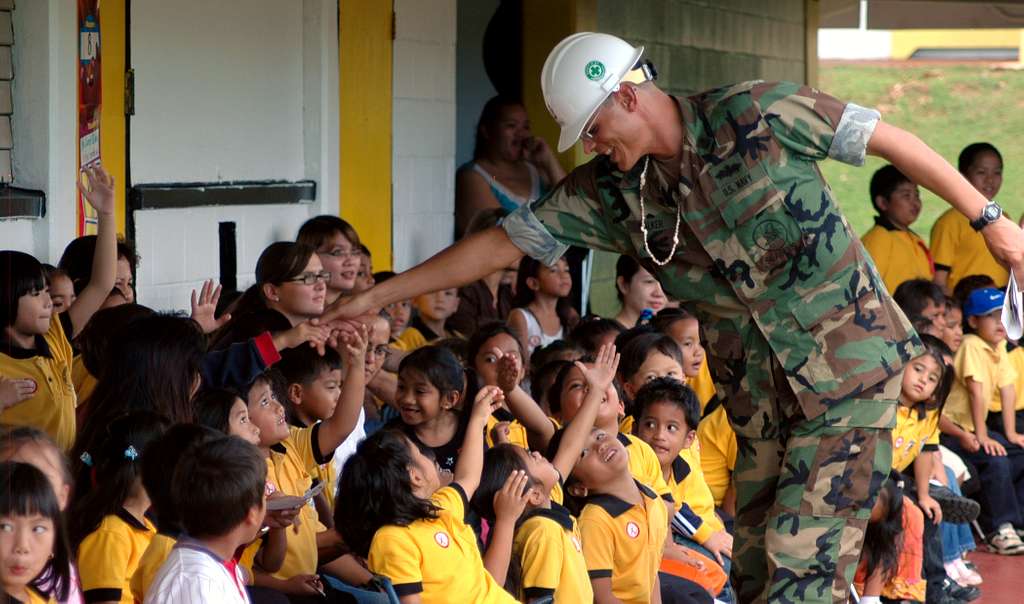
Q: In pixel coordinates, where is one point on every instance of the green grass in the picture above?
(947, 107)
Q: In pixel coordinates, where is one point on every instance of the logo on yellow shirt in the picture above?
(442, 539)
(632, 530)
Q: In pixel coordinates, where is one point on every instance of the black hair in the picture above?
(667, 317)
(375, 490)
(500, 461)
(50, 271)
(912, 296)
(25, 490)
(216, 485)
(543, 379)
(884, 182)
(668, 390)
(542, 355)
(971, 152)
(626, 267)
(317, 230)
(589, 332)
(968, 284)
(103, 329)
(938, 351)
(555, 391)
(158, 464)
(76, 261)
(13, 438)
(637, 349)
(382, 276)
(921, 324)
(489, 117)
(20, 274)
(439, 365)
(117, 468)
(365, 251)
(158, 361)
(303, 365)
(213, 408)
(485, 332)
(529, 268)
(883, 540)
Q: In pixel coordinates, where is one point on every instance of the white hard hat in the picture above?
(579, 74)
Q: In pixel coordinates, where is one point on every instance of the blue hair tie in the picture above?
(86, 458)
(131, 453)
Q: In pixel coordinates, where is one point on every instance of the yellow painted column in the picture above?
(113, 142)
(365, 71)
(545, 24)
(812, 20)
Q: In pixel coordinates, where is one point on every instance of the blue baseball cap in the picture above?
(983, 301)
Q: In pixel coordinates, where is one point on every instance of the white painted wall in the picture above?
(44, 125)
(854, 44)
(218, 90)
(424, 129)
(235, 90)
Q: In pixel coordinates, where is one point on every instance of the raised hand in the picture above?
(355, 343)
(488, 400)
(204, 307)
(510, 370)
(602, 373)
(100, 189)
(308, 331)
(510, 501)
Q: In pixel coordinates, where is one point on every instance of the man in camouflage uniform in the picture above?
(805, 346)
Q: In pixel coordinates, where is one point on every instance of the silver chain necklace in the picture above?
(643, 221)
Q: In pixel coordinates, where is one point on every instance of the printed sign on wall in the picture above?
(89, 90)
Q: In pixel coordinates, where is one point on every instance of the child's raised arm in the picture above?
(599, 379)
(471, 457)
(521, 404)
(335, 429)
(100, 195)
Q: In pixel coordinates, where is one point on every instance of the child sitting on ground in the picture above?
(899, 253)
(219, 492)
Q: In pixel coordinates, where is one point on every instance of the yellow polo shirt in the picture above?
(1016, 358)
(686, 483)
(110, 555)
(717, 452)
(152, 559)
(289, 469)
(961, 250)
(84, 381)
(52, 407)
(410, 340)
(983, 363)
(516, 432)
(912, 435)
(436, 558)
(899, 255)
(625, 542)
(549, 548)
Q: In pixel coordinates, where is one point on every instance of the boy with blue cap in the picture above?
(985, 381)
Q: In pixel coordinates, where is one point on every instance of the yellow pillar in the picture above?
(365, 66)
(545, 24)
(113, 141)
(812, 20)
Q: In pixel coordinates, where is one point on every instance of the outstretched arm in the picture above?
(465, 262)
(921, 164)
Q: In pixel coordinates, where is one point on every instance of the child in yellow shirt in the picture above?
(899, 253)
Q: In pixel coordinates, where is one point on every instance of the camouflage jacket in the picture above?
(765, 258)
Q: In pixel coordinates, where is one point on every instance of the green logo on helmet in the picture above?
(594, 70)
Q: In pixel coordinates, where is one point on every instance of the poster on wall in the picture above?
(89, 90)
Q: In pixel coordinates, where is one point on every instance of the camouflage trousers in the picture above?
(804, 493)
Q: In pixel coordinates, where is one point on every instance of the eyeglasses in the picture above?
(312, 278)
(344, 253)
(590, 130)
(381, 351)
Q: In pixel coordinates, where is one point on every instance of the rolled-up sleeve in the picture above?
(814, 124)
(576, 212)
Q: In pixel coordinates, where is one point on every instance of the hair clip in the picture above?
(86, 458)
(131, 453)
(899, 483)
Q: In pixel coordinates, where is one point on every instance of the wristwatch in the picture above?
(991, 213)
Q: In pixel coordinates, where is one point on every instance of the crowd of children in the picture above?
(477, 445)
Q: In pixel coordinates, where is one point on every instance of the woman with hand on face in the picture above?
(510, 166)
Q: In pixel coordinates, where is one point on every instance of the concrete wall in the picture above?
(248, 95)
(424, 129)
(701, 44)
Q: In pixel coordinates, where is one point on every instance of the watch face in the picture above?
(992, 212)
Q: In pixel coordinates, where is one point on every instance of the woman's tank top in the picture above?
(509, 200)
(535, 336)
